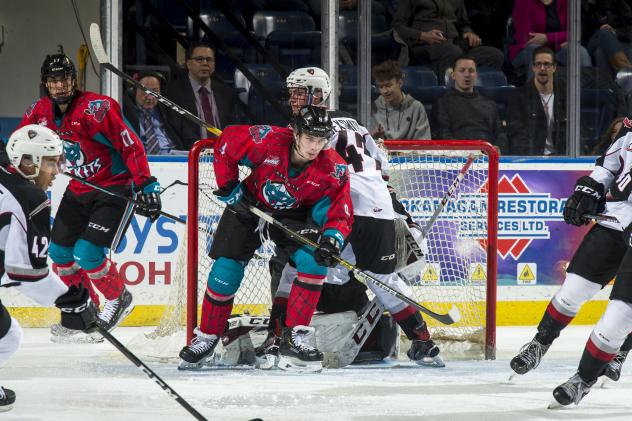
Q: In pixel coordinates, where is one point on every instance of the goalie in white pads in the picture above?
(602, 255)
(34, 153)
(372, 243)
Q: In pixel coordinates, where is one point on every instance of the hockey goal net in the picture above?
(460, 264)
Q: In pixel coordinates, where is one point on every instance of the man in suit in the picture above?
(201, 94)
(536, 115)
(148, 118)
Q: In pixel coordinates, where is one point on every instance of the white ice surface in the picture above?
(96, 382)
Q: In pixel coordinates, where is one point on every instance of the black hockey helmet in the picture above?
(314, 121)
(57, 65)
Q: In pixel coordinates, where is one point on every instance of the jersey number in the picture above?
(352, 154)
(127, 139)
(41, 253)
(623, 181)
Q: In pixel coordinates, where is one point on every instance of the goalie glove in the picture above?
(78, 312)
(588, 198)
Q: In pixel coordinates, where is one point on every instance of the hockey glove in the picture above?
(148, 203)
(327, 252)
(588, 198)
(78, 312)
(237, 199)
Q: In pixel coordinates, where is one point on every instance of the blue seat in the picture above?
(348, 26)
(266, 22)
(348, 82)
(290, 36)
(265, 73)
(428, 95)
(489, 77)
(256, 102)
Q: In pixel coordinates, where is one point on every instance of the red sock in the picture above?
(216, 309)
(303, 298)
(107, 280)
(72, 274)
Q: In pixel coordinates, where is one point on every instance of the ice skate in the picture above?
(267, 354)
(571, 391)
(62, 335)
(613, 369)
(296, 352)
(7, 398)
(200, 353)
(425, 353)
(114, 311)
(529, 357)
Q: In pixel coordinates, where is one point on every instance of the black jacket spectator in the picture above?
(465, 115)
(526, 121)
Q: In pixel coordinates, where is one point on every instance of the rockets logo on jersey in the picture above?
(74, 154)
(277, 196)
(339, 171)
(258, 133)
(76, 160)
(98, 108)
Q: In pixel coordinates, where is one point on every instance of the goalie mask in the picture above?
(59, 77)
(33, 142)
(307, 86)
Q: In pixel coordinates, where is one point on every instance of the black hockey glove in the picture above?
(238, 200)
(78, 312)
(588, 198)
(148, 200)
(327, 251)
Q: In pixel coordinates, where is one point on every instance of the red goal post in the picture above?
(461, 263)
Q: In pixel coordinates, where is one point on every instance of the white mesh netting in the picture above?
(455, 274)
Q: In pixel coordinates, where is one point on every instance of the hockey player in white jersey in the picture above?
(35, 154)
(603, 254)
(372, 243)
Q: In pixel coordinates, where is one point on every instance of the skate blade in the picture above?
(555, 405)
(6, 408)
(435, 362)
(266, 362)
(512, 376)
(299, 366)
(206, 363)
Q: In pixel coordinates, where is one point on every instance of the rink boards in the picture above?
(534, 244)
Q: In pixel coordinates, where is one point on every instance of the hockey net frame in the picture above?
(450, 150)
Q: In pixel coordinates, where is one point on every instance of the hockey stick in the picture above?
(447, 196)
(121, 196)
(602, 218)
(104, 60)
(451, 317)
(150, 373)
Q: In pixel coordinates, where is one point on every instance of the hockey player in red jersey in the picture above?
(35, 154)
(102, 149)
(303, 186)
(372, 242)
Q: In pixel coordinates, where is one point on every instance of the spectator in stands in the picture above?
(394, 114)
(536, 114)
(148, 118)
(537, 23)
(202, 94)
(463, 113)
(608, 136)
(607, 27)
(439, 31)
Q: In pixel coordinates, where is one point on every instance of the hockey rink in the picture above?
(96, 382)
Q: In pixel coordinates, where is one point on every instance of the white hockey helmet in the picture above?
(311, 78)
(34, 142)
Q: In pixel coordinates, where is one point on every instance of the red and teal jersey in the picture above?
(99, 145)
(322, 186)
